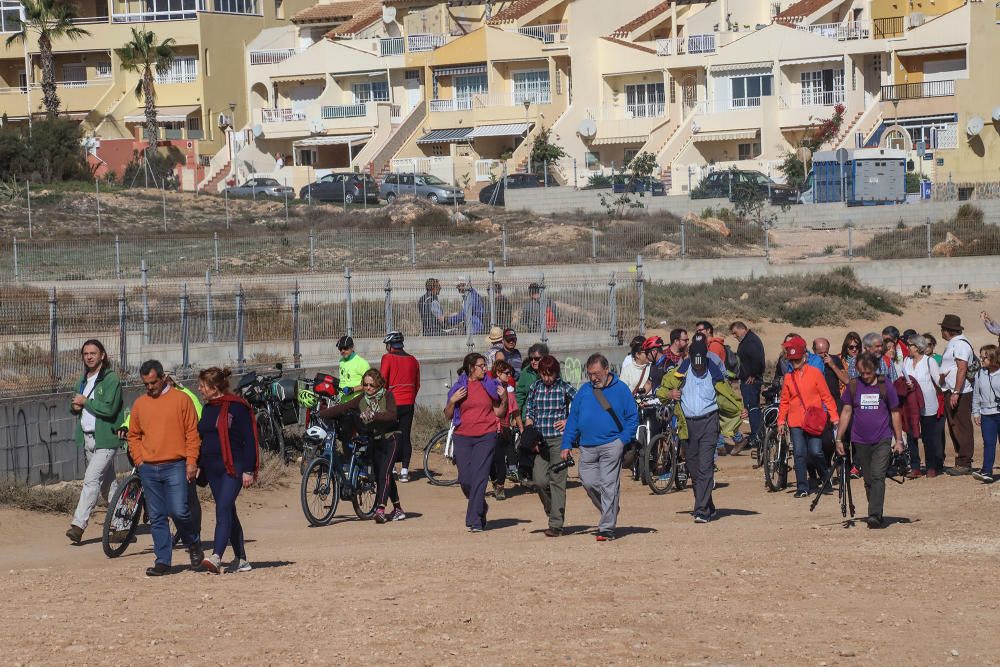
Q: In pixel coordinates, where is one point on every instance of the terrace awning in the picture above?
(608, 141)
(331, 140)
(766, 66)
(725, 135)
(445, 136)
(466, 69)
(165, 114)
(509, 130)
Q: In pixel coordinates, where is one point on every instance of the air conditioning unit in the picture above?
(915, 19)
(225, 120)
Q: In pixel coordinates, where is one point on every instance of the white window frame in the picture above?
(533, 85)
(747, 100)
(184, 69)
(645, 100)
(813, 93)
(464, 93)
(366, 92)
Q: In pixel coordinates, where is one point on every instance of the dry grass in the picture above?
(57, 499)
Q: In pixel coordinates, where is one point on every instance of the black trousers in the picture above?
(404, 413)
(383, 451)
(503, 455)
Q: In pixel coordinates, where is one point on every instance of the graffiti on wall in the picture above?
(572, 371)
(36, 440)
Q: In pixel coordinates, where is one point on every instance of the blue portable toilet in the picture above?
(861, 177)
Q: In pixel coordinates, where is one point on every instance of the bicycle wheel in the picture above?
(774, 461)
(678, 466)
(785, 456)
(657, 464)
(308, 454)
(440, 469)
(122, 519)
(363, 497)
(642, 437)
(320, 492)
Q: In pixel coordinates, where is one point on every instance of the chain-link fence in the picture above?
(961, 237)
(189, 326)
(302, 251)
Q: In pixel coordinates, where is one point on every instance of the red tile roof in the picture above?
(642, 19)
(799, 11)
(328, 12)
(515, 11)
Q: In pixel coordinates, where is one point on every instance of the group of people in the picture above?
(176, 443)
(434, 321)
(883, 393)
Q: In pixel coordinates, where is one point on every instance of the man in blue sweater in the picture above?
(602, 418)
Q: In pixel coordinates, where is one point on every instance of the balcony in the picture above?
(886, 28)
(285, 115)
(391, 46)
(682, 45)
(425, 42)
(917, 91)
(812, 98)
(552, 33)
(642, 110)
(487, 100)
(271, 56)
(176, 77)
(744, 102)
(344, 111)
(185, 14)
(841, 32)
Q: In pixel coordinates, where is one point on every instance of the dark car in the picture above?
(347, 187)
(648, 184)
(494, 192)
(717, 184)
(260, 187)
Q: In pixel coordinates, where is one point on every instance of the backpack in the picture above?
(732, 361)
(974, 364)
(551, 323)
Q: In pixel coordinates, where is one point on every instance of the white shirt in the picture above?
(88, 422)
(958, 347)
(925, 374)
(626, 362)
(633, 374)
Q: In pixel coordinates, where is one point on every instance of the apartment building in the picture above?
(197, 100)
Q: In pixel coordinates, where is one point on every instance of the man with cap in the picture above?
(352, 367)
(401, 371)
(472, 301)
(700, 407)
(510, 352)
(957, 384)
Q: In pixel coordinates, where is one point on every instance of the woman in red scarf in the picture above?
(229, 459)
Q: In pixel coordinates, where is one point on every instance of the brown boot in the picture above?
(75, 533)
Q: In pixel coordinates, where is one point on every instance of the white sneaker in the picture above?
(212, 564)
(404, 475)
(240, 565)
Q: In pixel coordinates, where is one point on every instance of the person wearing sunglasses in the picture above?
(375, 409)
(849, 352)
(475, 407)
(529, 372)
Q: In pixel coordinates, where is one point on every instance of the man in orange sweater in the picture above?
(164, 442)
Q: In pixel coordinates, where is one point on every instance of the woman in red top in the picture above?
(475, 408)
(804, 387)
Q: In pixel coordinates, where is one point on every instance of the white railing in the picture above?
(945, 137)
(744, 102)
(162, 15)
(344, 111)
(839, 31)
(701, 43)
(460, 104)
(486, 100)
(553, 33)
(484, 169)
(818, 98)
(88, 20)
(271, 56)
(176, 77)
(425, 42)
(647, 110)
(666, 47)
(391, 46)
(281, 115)
(20, 90)
(395, 113)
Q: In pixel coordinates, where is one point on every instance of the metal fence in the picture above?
(961, 237)
(302, 251)
(195, 325)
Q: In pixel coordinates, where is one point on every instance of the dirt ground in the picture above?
(766, 583)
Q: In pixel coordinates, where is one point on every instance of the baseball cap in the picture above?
(345, 343)
(698, 353)
(795, 348)
(509, 334)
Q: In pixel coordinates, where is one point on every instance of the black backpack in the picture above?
(732, 361)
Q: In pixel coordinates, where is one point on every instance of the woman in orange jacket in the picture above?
(804, 387)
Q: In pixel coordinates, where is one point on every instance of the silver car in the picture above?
(420, 185)
(261, 187)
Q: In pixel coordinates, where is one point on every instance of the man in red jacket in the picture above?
(402, 378)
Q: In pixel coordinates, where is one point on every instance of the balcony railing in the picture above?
(812, 98)
(458, 104)
(196, 134)
(161, 15)
(690, 44)
(884, 28)
(744, 102)
(344, 111)
(701, 43)
(485, 100)
(80, 83)
(271, 56)
(647, 110)
(391, 46)
(916, 91)
(176, 77)
(281, 115)
(839, 31)
(425, 42)
(553, 33)
(89, 20)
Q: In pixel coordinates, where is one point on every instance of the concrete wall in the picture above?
(36, 433)
(568, 200)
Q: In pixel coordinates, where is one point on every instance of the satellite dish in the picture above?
(996, 114)
(588, 128)
(258, 131)
(974, 126)
(316, 126)
(388, 14)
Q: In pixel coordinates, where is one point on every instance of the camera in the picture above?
(563, 465)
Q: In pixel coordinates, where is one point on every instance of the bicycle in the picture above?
(662, 461)
(325, 391)
(126, 510)
(777, 452)
(265, 396)
(328, 480)
(768, 421)
(648, 406)
(439, 458)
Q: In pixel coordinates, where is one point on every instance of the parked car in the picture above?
(420, 185)
(344, 187)
(648, 184)
(257, 187)
(494, 192)
(717, 184)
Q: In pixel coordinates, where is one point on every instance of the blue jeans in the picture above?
(165, 487)
(751, 402)
(991, 428)
(808, 451)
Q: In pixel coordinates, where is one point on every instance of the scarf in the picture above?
(491, 385)
(371, 405)
(222, 425)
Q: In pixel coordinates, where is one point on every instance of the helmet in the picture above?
(393, 338)
(307, 398)
(345, 343)
(653, 342)
(316, 433)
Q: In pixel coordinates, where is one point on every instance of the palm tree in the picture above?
(49, 20)
(144, 56)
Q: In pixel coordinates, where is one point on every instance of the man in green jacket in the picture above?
(98, 406)
(529, 372)
(352, 367)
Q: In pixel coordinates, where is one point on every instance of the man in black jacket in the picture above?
(752, 364)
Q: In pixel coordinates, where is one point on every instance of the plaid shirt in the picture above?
(547, 405)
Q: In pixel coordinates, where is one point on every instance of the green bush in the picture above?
(599, 181)
(52, 151)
